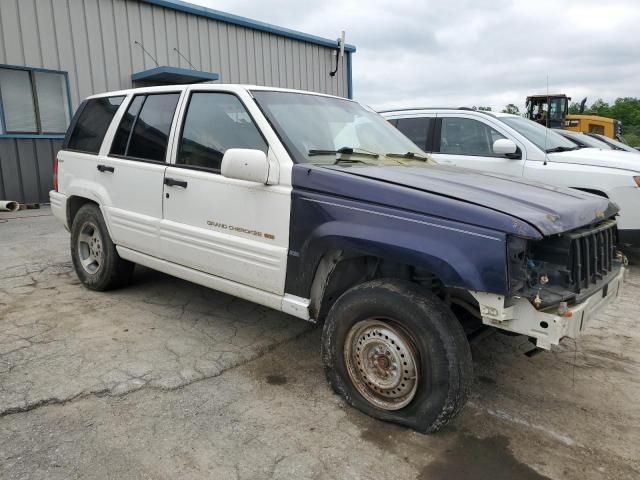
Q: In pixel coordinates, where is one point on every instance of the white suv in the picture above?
(512, 145)
(316, 206)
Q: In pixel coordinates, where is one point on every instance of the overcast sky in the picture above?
(471, 52)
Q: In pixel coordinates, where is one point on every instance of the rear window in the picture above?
(94, 118)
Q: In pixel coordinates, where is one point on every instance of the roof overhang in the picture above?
(166, 75)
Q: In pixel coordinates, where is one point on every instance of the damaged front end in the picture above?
(556, 284)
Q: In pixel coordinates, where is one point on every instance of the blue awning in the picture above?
(166, 75)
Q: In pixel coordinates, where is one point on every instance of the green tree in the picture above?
(511, 108)
(600, 107)
(574, 108)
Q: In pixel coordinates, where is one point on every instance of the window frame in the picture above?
(133, 125)
(183, 121)
(4, 133)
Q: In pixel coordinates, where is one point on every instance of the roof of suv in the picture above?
(208, 86)
(418, 110)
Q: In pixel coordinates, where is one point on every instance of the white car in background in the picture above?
(512, 145)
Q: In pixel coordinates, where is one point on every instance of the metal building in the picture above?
(54, 53)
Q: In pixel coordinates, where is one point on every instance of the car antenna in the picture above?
(547, 123)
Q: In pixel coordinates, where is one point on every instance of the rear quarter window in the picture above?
(91, 123)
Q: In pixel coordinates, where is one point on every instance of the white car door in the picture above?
(467, 142)
(131, 172)
(234, 229)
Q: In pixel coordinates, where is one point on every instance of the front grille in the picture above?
(592, 254)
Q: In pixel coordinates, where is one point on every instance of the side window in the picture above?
(465, 136)
(215, 122)
(143, 132)
(416, 129)
(92, 124)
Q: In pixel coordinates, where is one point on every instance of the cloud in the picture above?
(471, 52)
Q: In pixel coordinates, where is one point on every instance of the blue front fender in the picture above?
(460, 255)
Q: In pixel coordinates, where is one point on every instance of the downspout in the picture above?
(349, 77)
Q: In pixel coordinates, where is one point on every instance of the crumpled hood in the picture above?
(599, 158)
(547, 208)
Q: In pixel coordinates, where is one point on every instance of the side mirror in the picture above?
(245, 164)
(506, 147)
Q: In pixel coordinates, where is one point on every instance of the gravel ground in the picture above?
(166, 379)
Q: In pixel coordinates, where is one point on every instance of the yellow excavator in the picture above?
(553, 111)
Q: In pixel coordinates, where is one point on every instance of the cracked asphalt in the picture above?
(165, 379)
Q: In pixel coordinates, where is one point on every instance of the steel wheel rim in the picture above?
(90, 250)
(382, 363)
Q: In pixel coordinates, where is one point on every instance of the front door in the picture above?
(468, 142)
(233, 229)
(133, 171)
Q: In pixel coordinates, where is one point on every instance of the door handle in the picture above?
(106, 168)
(172, 182)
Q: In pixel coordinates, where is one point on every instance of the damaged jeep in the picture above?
(316, 206)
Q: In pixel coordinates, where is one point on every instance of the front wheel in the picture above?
(397, 353)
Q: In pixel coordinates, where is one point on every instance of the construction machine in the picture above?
(553, 111)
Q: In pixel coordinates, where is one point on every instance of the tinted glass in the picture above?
(92, 124)
(17, 101)
(214, 123)
(464, 136)
(151, 129)
(53, 102)
(121, 139)
(417, 129)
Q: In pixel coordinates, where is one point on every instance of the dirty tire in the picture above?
(442, 353)
(112, 271)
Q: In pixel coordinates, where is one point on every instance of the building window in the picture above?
(33, 101)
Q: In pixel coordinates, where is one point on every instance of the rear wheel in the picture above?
(398, 354)
(96, 261)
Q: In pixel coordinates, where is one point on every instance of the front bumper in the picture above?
(59, 206)
(546, 328)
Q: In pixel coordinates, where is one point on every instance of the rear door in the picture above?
(234, 229)
(465, 141)
(131, 171)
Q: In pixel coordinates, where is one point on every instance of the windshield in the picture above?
(622, 146)
(541, 136)
(317, 129)
(586, 140)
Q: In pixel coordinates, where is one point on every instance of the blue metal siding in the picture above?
(26, 168)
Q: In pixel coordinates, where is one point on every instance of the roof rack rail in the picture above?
(407, 109)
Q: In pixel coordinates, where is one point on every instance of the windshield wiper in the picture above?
(560, 149)
(343, 151)
(409, 155)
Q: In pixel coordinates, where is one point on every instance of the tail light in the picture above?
(55, 173)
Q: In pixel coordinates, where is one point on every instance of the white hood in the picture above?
(599, 158)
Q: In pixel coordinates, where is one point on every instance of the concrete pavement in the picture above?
(166, 379)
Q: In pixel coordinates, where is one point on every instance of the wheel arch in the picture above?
(74, 204)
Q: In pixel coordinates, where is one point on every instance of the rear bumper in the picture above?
(59, 206)
(547, 328)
